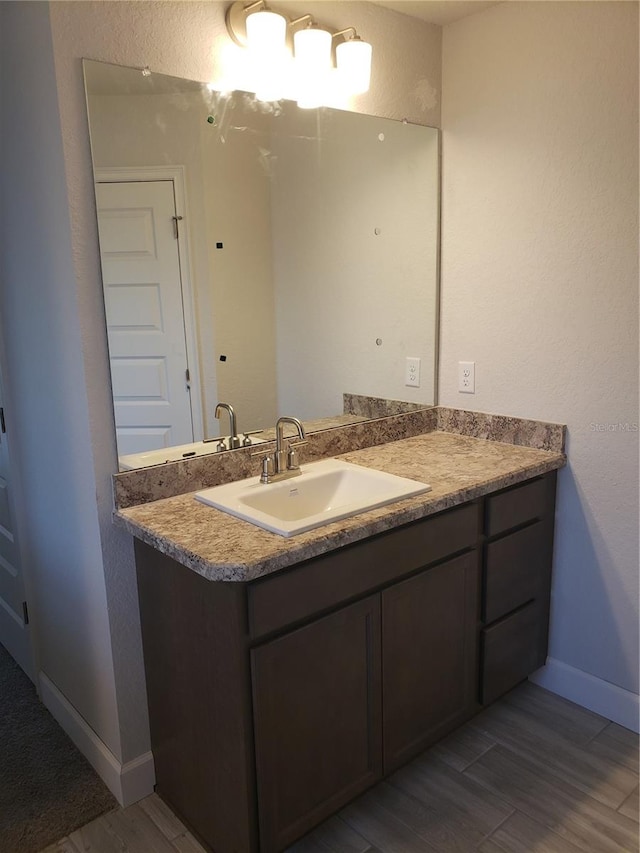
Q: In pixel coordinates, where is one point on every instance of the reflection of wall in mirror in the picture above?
(238, 217)
(225, 196)
(355, 215)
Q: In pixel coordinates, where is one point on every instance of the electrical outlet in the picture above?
(467, 377)
(412, 372)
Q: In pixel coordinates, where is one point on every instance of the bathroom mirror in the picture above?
(281, 260)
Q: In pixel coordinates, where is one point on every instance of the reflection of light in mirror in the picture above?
(235, 72)
(270, 75)
(248, 71)
(332, 94)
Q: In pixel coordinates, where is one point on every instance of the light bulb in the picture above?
(312, 51)
(266, 31)
(353, 58)
(266, 34)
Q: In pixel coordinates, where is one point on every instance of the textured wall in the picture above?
(540, 280)
(185, 39)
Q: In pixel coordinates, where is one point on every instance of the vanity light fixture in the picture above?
(266, 31)
(267, 35)
(353, 60)
(263, 28)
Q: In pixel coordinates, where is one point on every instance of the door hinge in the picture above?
(3, 426)
(187, 377)
(25, 613)
(176, 219)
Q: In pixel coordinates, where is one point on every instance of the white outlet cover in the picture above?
(467, 377)
(412, 372)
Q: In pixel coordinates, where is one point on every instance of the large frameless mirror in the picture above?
(274, 259)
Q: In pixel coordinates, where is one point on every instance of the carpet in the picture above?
(47, 787)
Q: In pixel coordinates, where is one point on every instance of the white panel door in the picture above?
(145, 317)
(14, 628)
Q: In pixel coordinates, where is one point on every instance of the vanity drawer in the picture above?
(510, 652)
(516, 506)
(328, 581)
(513, 569)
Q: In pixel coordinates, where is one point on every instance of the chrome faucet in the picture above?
(234, 441)
(284, 463)
(287, 460)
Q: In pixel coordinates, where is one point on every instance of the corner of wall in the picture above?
(128, 782)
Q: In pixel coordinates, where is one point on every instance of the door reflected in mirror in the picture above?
(280, 260)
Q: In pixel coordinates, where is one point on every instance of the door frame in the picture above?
(177, 175)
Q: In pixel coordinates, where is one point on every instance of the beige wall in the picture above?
(540, 288)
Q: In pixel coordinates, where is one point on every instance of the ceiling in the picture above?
(439, 12)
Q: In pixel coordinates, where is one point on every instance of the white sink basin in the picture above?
(325, 491)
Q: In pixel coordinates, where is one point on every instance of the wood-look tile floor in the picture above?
(531, 773)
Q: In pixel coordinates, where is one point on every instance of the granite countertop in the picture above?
(223, 548)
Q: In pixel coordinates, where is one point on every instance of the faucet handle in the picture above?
(246, 441)
(268, 466)
(293, 458)
(263, 453)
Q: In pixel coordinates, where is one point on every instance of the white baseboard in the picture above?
(127, 782)
(610, 701)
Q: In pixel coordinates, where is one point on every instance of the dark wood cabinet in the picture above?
(324, 583)
(316, 704)
(518, 553)
(429, 666)
(194, 638)
(273, 703)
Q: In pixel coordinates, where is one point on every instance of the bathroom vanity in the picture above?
(286, 676)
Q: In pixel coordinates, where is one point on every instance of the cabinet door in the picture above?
(316, 694)
(509, 652)
(429, 656)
